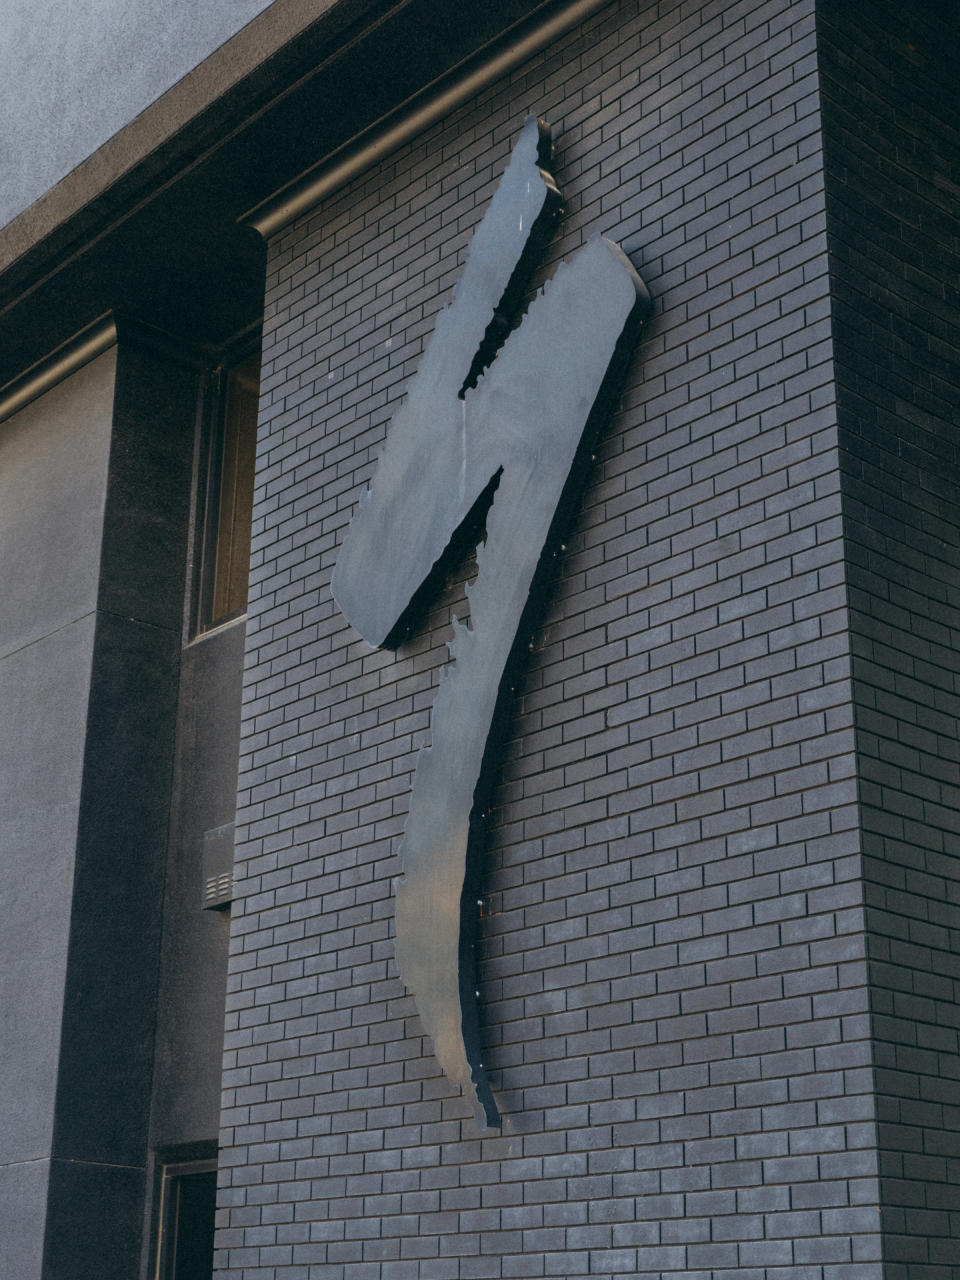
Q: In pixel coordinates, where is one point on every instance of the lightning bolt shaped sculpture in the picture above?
(489, 412)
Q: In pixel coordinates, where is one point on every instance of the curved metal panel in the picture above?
(485, 413)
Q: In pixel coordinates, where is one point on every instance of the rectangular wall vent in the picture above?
(217, 867)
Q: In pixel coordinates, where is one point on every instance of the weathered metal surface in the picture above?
(485, 411)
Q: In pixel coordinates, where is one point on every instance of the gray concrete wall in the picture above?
(72, 75)
(53, 483)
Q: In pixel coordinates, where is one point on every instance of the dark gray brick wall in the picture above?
(673, 972)
(890, 94)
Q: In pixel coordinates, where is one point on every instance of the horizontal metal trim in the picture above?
(72, 355)
(406, 121)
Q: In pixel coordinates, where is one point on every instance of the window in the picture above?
(229, 494)
(188, 1202)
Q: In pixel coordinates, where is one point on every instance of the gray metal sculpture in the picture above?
(494, 425)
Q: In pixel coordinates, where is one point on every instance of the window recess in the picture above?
(188, 1203)
(228, 494)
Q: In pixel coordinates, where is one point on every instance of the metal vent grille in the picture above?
(218, 891)
(217, 870)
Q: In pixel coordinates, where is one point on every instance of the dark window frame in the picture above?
(172, 1179)
(227, 435)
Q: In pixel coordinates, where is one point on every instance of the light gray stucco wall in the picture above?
(73, 74)
(53, 480)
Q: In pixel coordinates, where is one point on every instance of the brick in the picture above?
(673, 979)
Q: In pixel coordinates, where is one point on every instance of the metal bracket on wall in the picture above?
(495, 422)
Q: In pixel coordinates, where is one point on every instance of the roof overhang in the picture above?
(304, 97)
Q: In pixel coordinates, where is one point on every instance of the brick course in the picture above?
(673, 974)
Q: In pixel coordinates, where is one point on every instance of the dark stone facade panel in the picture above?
(893, 174)
(186, 1079)
(82, 1201)
(673, 973)
(106, 1053)
(104, 1067)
